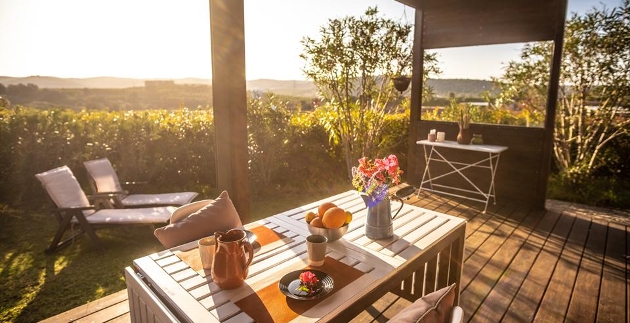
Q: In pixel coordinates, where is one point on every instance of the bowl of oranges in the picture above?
(329, 220)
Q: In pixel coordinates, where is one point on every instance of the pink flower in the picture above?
(308, 278)
(308, 282)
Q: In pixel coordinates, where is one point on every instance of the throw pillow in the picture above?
(218, 215)
(433, 307)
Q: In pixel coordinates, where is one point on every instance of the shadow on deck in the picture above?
(566, 263)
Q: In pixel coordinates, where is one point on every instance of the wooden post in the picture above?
(416, 96)
(552, 100)
(227, 39)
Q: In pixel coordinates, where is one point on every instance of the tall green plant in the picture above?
(352, 64)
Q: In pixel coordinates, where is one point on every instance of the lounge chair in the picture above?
(73, 207)
(103, 180)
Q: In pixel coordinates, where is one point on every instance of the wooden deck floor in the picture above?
(568, 263)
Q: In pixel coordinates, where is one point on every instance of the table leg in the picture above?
(494, 162)
(427, 159)
(457, 261)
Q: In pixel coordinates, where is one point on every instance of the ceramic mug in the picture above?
(316, 248)
(206, 251)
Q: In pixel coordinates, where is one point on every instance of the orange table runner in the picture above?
(271, 305)
(263, 234)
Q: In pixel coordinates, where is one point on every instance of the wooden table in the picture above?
(489, 160)
(425, 254)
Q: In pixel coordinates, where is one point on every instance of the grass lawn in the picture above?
(35, 286)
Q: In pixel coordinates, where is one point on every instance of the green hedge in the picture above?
(169, 149)
(172, 150)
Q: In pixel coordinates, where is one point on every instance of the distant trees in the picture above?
(594, 90)
(134, 98)
(352, 63)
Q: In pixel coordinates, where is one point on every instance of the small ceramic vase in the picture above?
(463, 137)
(476, 140)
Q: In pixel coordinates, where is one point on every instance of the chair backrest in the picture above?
(63, 188)
(103, 176)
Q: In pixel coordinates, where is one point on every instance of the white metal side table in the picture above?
(489, 161)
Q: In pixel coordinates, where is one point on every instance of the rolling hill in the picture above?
(441, 87)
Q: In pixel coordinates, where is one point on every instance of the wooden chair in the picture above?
(73, 207)
(104, 180)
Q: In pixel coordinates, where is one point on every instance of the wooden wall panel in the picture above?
(519, 170)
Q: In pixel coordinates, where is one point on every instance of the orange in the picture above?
(310, 215)
(317, 222)
(348, 217)
(324, 207)
(334, 218)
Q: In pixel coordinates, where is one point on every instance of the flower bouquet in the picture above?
(375, 177)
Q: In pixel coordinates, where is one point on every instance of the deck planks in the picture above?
(105, 309)
(498, 299)
(556, 301)
(613, 277)
(525, 304)
(583, 306)
(567, 263)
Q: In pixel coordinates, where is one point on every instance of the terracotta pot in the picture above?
(464, 136)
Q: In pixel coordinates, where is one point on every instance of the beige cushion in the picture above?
(184, 211)
(103, 174)
(434, 308)
(156, 215)
(218, 215)
(63, 188)
(106, 180)
(180, 198)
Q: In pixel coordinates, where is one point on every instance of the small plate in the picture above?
(290, 282)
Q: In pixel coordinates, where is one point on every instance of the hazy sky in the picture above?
(171, 38)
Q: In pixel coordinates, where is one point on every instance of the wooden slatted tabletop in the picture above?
(420, 237)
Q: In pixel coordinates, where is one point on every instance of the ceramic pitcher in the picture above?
(233, 255)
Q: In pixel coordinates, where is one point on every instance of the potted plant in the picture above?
(401, 83)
